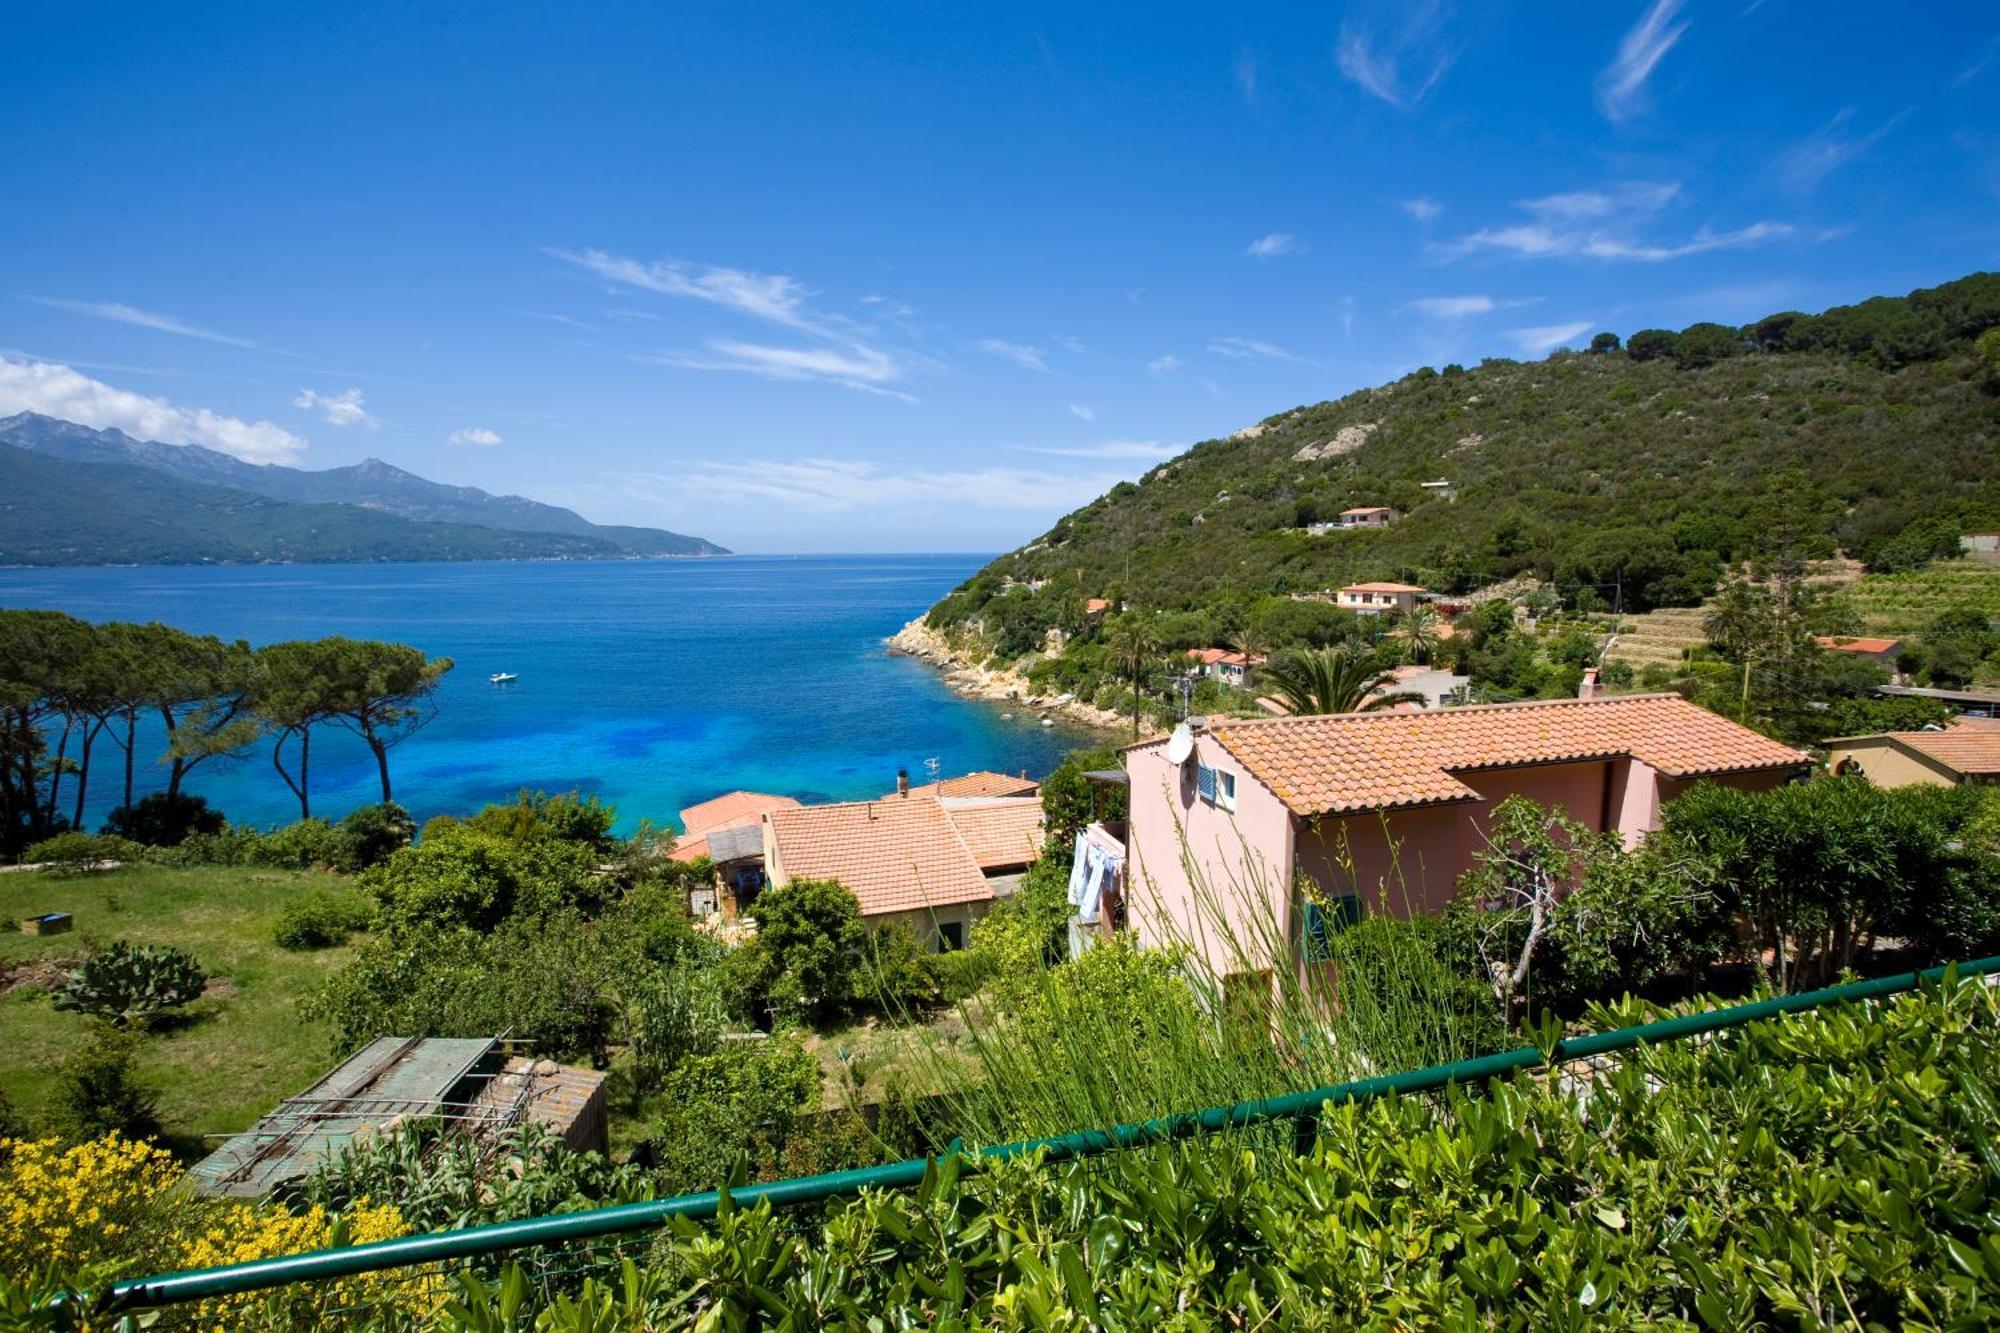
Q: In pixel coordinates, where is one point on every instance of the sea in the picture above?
(652, 684)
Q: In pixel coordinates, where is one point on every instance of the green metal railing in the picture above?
(1301, 1107)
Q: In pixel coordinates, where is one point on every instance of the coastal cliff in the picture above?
(1005, 685)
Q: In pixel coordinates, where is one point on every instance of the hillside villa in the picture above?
(934, 858)
(1224, 664)
(1882, 652)
(1966, 751)
(1384, 811)
(1374, 599)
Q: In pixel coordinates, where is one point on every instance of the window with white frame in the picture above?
(1225, 790)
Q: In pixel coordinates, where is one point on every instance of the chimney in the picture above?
(902, 782)
(1588, 688)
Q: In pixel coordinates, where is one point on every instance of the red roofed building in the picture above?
(1225, 664)
(1882, 652)
(1966, 751)
(1384, 811)
(1374, 599)
(730, 810)
(935, 863)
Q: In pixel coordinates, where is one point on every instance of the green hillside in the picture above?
(1638, 474)
(60, 513)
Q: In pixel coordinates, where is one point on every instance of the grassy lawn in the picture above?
(239, 1049)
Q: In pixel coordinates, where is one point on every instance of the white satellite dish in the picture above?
(1180, 745)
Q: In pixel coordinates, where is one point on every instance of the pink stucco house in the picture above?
(1383, 811)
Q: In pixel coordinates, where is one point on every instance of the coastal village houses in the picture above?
(1375, 599)
(1382, 812)
(934, 858)
(1968, 751)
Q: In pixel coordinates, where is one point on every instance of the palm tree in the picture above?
(1418, 633)
(1335, 680)
(1133, 642)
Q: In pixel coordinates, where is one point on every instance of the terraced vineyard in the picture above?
(1902, 604)
(1659, 637)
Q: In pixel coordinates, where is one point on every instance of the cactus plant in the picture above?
(128, 985)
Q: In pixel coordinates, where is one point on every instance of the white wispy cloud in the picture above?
(59, 391)
(1276, 244)
(119, 313)
(1621, 88)
(567, 321)
(478, 436)
(856, 367)
(831, 485)
(1464, 307)
(1083, 411)
(1605, 224)
(850, 355)
(1806, 163)
(1146, 450)
(1422, 208)
(1547, 337)
(1253, 349)
(1074, 346)
(1246, 74)
(1021, 354)
(346, 408)
(1396, 52)
(1163, 366)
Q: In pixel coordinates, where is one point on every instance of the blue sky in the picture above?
(901, 277)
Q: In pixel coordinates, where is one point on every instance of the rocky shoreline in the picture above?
(1008, 686)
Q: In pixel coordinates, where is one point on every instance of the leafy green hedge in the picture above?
(1837, 1169)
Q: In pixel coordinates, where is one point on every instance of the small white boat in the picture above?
(1048, 722)
(502, 678)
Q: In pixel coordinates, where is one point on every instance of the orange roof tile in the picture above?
(1096, 604)
(1383, 587)
(999, 830)
(1970, 746)
(689, 849)
(898, 854)
(736, 807)
(1842, 643)
(1379, 761)
(984, 782)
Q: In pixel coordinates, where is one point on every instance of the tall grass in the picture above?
(1125, 1033)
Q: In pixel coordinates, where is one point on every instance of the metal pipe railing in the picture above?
(494, 1238)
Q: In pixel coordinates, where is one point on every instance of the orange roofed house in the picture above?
(934, 858)
(1966, 751)
(729, 831)
(1375, 599)
(1384, 811)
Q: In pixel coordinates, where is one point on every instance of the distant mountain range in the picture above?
(71, 495)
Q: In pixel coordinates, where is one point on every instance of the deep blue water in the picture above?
(654, 684)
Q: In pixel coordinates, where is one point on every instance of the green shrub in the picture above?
(77, 853)
(128, 985)
(309, 844)
(373, 833)
(231, 845)
(732, 1104)
(319, 920)
(97, 1092)
(896, 978)
(677, 1013)
(811, 937)
(1820, 1171)
(164, 819)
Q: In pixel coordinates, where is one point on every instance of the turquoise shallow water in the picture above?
(654, 684)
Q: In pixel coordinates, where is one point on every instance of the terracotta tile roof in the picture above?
(1379, 761)
(1383, 587)
(898, 854)
(689, 849)
(982, 783)
(1970, 746)
(1842, 643)
(1368, 509)
(998, 830)
(1096, 604)
(736, 807)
